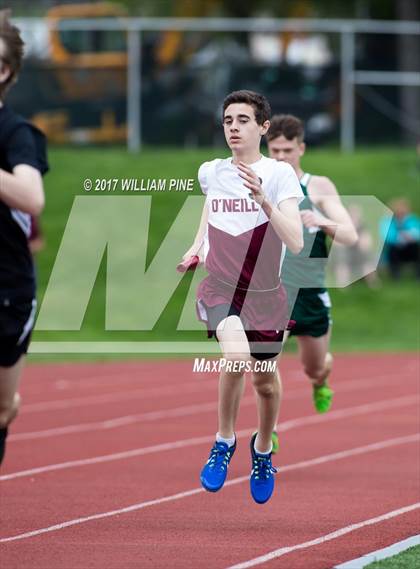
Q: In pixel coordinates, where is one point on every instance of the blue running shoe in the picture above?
(214, 473)
(262, 475)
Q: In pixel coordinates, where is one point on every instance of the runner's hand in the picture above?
(252, 182)
(194, 250)
(313, 219)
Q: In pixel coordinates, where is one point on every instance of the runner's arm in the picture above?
(335, 220)
(22, 189)
(284, 217)
(286, 222)
(197, 245)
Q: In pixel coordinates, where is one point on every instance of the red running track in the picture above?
(103, 462)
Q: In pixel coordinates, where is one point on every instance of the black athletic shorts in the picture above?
(263, 344)
(311, 313)
(16, 322)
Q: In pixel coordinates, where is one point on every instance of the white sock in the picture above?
(266, 453)
(229, 442)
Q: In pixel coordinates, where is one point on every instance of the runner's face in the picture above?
(242, 132)
(284, 150)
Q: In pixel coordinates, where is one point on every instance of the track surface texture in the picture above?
(102, 469)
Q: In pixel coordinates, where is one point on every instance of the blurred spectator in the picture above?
(356, 259)
(402, 241)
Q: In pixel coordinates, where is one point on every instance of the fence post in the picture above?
(134, 91)
(347, 127)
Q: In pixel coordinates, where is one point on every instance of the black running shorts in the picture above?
(16, 322)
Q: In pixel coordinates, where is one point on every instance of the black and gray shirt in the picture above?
(20, 143)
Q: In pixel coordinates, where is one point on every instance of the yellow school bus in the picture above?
(89, 67)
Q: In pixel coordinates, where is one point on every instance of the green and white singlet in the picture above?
(303, 275)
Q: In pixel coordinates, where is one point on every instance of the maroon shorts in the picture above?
(263, 314)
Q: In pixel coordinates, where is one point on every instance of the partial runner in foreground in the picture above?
(323, 215)
(250, 215)
(22, 163)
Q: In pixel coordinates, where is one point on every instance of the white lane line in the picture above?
(123, 375)
(324, 538)
(120, 421)
(198, 385)
(383, 553)
(359, 450)
(141, 505)
(89, 381)
(115, 456)
(141, 375)
(281, 427)
(179, 412)
(142, 393)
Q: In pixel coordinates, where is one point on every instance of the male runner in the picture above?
(22, 161)
(322, 215)
(251, 214)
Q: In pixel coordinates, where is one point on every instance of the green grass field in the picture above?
(383, 319)
(409, 559)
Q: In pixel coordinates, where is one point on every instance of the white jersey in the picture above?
(227, 196)
(238, 227)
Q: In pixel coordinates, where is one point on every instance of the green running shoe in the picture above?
(275, 442)
(322, 397)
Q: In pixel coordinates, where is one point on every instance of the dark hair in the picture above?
(258, 102)
(288, 126)
(13, 49)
